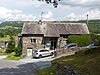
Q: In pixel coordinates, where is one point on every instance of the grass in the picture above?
(2, 52)
(7, 27)
(12, 57)
(47, 71)
(5, 38)
(86, 61)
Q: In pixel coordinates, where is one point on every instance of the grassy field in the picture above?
(7, 27)
(85, 61)
(5, 38)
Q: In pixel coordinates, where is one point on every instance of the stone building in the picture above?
(48, 35)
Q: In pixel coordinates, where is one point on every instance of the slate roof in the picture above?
(55, 29)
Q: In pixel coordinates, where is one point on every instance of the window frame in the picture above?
(33, 40)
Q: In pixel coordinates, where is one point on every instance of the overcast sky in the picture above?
(23, 10)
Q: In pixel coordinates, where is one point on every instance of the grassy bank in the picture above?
(12, 57)
(2, 52)
(85, 61)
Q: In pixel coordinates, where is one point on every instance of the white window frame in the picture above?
(33, 40)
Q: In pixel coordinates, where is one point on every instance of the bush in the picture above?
(11, 46)
(95, 39)
(18, 50)
(81, 40)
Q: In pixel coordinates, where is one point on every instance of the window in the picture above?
(41, 50)
(33, 40)
(46, 50)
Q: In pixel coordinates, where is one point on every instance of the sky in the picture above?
(30, 10)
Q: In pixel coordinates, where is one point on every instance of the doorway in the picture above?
(53, 43)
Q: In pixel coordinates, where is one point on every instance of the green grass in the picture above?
(86, 61)
(12, 57)
(5, 38)
(7, 27)
(2, 52)
(47, 71)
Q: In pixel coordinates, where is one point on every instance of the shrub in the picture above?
(81, 40)
(18, 50)
(95, 39)
(11, 46)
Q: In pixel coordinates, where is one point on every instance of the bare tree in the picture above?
(54, 2)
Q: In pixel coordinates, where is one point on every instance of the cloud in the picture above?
(14, 15)
(92, 4)
(31, 10)
(48, 16)
(21, 3)
(93, 14)
(18, 3)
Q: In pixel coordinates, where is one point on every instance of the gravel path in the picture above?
(16, 68)
(26, 66)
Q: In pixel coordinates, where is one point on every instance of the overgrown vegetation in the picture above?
(86, 61)
(81, 40)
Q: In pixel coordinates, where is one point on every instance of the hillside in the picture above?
(10, 28)
(86, 61)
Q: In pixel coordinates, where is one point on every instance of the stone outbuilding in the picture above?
(48, 35)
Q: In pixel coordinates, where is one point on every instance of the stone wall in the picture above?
(61, 42)
(60, 52)
(26, 43)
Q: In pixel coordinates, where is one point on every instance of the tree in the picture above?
(95, 39)
(54, 2)
(11, 45)
(2, 34)
(18, 50)
(81, 40)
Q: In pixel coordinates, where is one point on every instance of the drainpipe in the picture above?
(53, 43)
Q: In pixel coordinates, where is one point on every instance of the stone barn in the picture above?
(48, 35)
